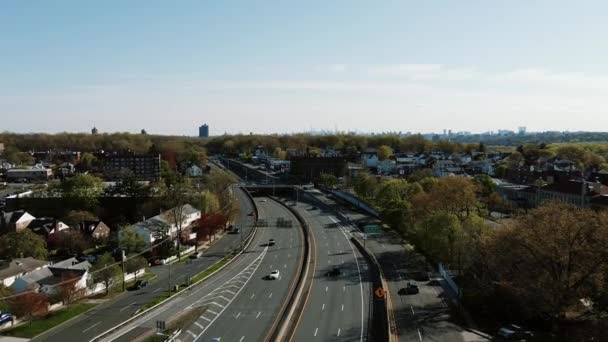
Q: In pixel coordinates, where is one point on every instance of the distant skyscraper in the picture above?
(203, 131)
(522, 130)
(94, 131)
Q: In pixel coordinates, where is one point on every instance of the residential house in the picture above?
(95, 229)
(445, 167)
(48, 279)
(369, 157)
(15, 221)
(161, 225)
(194, 171)
(46, 226)
(11, 270)
(386, 167)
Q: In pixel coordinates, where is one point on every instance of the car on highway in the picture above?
(271, 242)
(234, 230)
(263, 200)
(334, 272)
(140, 284)
(250, 213)
(513, 332)
(409, 289)
(274, 275)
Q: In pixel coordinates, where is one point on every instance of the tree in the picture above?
(551, 257)
(69, 241)
(69, 289)
(79, 217)
(209, 202)
(365, 185)
(130, 241)
(208, 225)
(82, 190)
(328, 180)
(4, 293)
(105, 270)
(178, 195)
(30, 305)
(23, 244)
(135, 263)
(384, 152)
(87, 161)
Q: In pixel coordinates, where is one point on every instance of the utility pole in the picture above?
(124, 258)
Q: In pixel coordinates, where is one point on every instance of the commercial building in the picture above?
(203, 131)
(310, 168)
(31, 174)
(143, 167)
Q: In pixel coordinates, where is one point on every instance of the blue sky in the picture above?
(287, 66)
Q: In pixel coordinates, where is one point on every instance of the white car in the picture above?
(263, 201)
(274, 275)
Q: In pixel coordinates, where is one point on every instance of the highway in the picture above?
(338, 306)
(115, 311)
(238, 303)
(421, 317)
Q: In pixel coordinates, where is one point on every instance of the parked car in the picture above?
(196, 255)
(334, 272)
(514, 332)
(156, 262)
(6, 317)
(234, 230)
(140, 284)
(274, 275)
(409, 289)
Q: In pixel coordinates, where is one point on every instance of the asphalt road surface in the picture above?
(245, 307)
(338, 306)
(117, 310)
(421, 317)
(238, 303)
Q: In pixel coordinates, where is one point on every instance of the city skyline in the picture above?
(282, 68)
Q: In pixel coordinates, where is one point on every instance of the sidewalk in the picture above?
(12, 339)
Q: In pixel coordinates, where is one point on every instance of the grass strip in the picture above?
(38, 326)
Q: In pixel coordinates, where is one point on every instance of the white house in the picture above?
(48, 279)
(15, 221)
(194, 171)
(9, 271)
(155, 227)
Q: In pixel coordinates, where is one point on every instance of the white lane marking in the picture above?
(126, 307)
(270, 295)
(252, 296)
(419, 335)
(358, 272)
(328, 262)
(411, 307)
(206, 319)
(285, 266)
(158, 289)
(258, 316)
(91, 327)
(255, 264)
(213, 312)
(323, 307)
(220, 305)
(342, 309)
(242, 338)
(326, 288)
(191, 333)
(339, 331)
(199, 325)
(238, 314)
(343, 288)
(316, 331)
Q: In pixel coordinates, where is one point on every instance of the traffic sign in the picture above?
(379, 292)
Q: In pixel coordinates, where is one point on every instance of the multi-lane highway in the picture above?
(421, 317)
(338, 306)
(238, 303)
(117, 310)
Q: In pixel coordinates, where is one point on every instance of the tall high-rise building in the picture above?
(522, 130)
(203, 131)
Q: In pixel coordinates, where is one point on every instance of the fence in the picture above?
(354, 200)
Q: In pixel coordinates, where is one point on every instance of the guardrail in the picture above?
(288, 319)
(247, 241)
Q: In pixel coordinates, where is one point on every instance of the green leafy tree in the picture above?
(328, 180)
(384, 152)
(135, 263)
(209, 203)
(130, 241)
(82, 190)
(105, 271)
(23, 244)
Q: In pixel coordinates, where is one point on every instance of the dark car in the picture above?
(234, 230)
(514, 332)
(271, 242)
(334, 272)
(6, 317)
(409, 289)
(140, 284)
(250, 214)
(196, 255)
